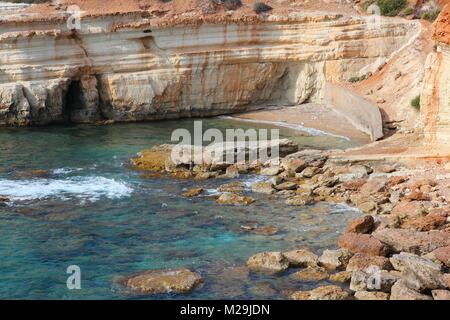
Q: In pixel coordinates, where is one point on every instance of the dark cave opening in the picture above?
(73, 100)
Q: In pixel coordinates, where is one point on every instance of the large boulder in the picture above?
(265, 187)
(301, 258)
(335, 259)
(400, 291)
(413, 241)
(418, 273)
(442, 254)
(268, 262)
(363, 243)
(164, 281)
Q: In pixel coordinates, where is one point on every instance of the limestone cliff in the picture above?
(129, 66)
(435, 97)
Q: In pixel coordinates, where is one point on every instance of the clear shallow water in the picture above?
(91, 210)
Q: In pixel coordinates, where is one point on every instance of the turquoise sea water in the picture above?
(91, 210)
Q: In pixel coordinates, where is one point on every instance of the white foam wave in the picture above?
(87, 188)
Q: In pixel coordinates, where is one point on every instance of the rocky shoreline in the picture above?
(399, 250)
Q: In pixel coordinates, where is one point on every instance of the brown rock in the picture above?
(408, 208)
(361, 261)
(342, 277)
(300, 295)
(372, 186)
(371, 295)
(443, 254)
(301, 258)
(311, 274)
(328, 293)
(363, 243)
(362, 225)
(300, 200)
(413, 241)
(233, 187)
(263, 187)
(269, 262)
(164, 281)
(234, 199)
(418, 196)
(354, 185)
(286, 186)
(266, 230)
(193, 192)
(153, 159)
(426, 223)
(393, 181)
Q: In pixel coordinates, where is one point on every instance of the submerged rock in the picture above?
(234, 200)
(342, 277)
(269, 262)
(193, 192)
(164, 281)
(311, 274)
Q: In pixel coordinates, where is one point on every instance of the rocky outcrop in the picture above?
(129, 66)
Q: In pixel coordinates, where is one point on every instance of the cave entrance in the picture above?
(73, 100)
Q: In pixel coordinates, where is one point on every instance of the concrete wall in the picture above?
(364, 115)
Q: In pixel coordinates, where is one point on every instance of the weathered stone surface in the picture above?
(263, 187)
(362, 225)
(441, 294)
(426, 223)
(413, 241)
(400, 291)
(311, 274)
(354, 184)
(371, 295)
(270, 171)
(164, 281)
(266, 230)
(335, 259)
(269, 262)
(361, 261)
(418, 273)
(301, 258)
(363, 243)
(234, 199)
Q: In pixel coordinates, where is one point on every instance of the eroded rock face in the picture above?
(177, 69)
(413, 241)
(335, 259)
(234, 199)
(164, 281)
(369, 295)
